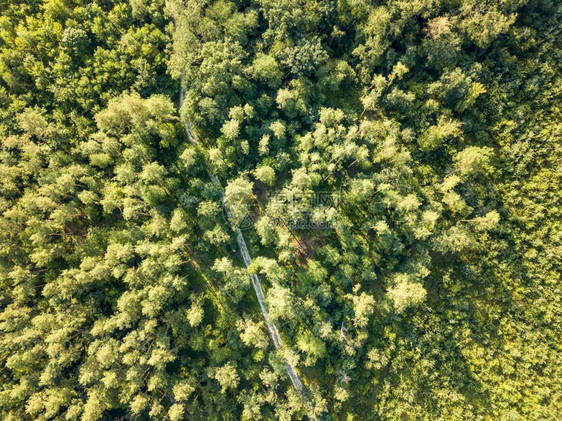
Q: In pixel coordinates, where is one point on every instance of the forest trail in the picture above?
(256, 284)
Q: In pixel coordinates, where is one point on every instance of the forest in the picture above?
(280, 210)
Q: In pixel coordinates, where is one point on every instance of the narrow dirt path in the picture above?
(256, 284)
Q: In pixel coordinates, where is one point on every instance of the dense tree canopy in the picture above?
(395, 167)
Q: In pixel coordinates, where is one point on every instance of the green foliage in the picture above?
(401, 161)
(238, 199)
